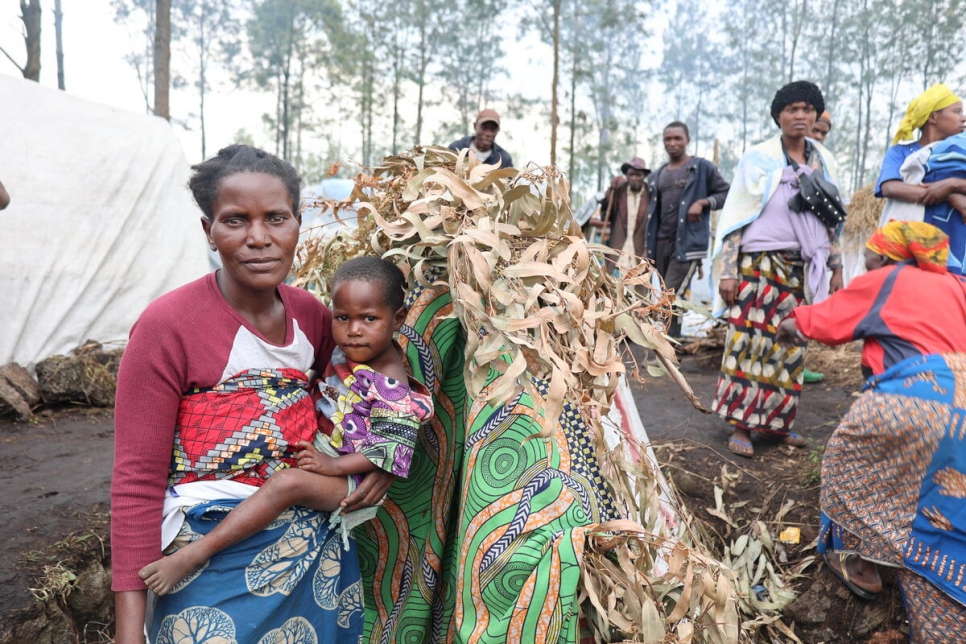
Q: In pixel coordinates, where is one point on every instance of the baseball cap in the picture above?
(488, 115)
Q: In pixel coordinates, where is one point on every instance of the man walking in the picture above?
(685, 190)
(483, 142)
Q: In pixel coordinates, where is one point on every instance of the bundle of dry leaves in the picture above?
(538, 303)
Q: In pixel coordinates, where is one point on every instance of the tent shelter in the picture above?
(99, 224)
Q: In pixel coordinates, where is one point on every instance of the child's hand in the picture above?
(312, 460)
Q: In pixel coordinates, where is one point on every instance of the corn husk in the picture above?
(538, 303)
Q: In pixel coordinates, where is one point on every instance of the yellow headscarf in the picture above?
(902, 240)
(933, 99)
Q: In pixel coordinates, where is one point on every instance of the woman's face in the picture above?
(874, 260)
(255, 231)
(949, 121)
(796, 120)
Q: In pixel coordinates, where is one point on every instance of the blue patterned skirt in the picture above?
(894, 487)
(292, 582)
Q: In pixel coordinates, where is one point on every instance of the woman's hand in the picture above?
(728, 288)
(370, 492)
(787, 333)
(836, 282)
(312, 460)
(939, 192)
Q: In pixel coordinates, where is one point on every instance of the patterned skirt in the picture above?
(291, 582)
(761, 381)
(483, 541)
(893, 481)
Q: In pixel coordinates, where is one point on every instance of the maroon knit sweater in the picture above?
(182, 340)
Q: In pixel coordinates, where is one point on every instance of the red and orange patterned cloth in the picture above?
(241, 429)
(903, 240)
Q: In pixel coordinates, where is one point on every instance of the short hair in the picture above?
(797, 92)
(375, 269)
(235, 159)
(679, 124)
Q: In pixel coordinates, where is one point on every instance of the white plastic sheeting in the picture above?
(100, 220)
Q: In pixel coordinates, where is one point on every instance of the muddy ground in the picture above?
(56, 475)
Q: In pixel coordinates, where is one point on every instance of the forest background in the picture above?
(583, 84)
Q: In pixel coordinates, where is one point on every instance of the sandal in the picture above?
(791, 438)
(842, 572)
(794, 439)
(741, 447)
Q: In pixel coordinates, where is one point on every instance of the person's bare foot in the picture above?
(861, 576)
(166, 573)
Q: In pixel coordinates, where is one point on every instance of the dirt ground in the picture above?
(56, 477)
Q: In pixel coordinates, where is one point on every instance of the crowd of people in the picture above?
(239, 477)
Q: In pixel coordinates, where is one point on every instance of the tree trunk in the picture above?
(202, 80)
(286, 120)
(162, 58)
(59, 31)
(573, 105)
(422, 66)
(30, 14)
(554, 119)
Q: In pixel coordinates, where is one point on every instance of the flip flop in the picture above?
(842, 572)
(794, 439)
(741, 447)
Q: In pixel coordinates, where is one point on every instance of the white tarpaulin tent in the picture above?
(100, 220)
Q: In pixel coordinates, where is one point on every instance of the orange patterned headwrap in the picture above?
(902, 240)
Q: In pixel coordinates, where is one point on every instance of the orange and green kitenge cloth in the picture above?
(483, 541)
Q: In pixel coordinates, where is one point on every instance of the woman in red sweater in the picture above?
(212, 392)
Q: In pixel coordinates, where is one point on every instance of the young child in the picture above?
(375, 419)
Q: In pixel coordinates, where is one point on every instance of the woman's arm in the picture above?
(129, 608)
(728, 286)
(902, 191)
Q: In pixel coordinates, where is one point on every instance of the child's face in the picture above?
(363, 322)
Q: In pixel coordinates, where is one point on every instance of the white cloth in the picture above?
(178, 499)
(628, 256)
(913, 171)
(757, 178)
(100, 221)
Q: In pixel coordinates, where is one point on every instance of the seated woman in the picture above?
(894, 470)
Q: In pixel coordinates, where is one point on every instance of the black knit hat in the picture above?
(804, 91)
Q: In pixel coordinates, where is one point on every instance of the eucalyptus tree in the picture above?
(289, 42)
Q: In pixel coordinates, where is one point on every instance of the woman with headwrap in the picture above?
(937, 113)
(768, 258)
(894, 471)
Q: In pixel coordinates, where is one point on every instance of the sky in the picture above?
(94, 68)
(95, 46)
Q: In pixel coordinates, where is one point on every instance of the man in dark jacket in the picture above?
(684, 192)
(483, 143)
(625, 209)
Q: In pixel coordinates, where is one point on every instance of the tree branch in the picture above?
(10, 58)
